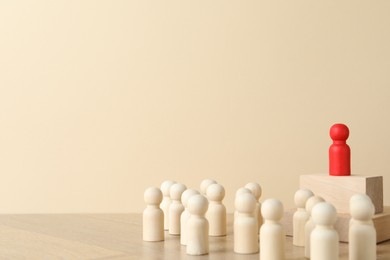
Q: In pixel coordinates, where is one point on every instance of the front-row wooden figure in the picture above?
(176, 208)
(188, 193)
(255, 188)
(324, 239)
(362, 233)
(216, 213)
(300, 216)
(166, 202)
(197, 226)
(272, 236)
(245, 225)
(153, 216)
(310, 203)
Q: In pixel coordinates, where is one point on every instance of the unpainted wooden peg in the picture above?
(186, 214)
(153, 216)
(245, 225)
(176, 208)
(362, 233)
(300, 216)
(256, 190)
(216, 213)
(309, 226)
(166, 202)
(197, 226)
(324, 239)
(272, 235)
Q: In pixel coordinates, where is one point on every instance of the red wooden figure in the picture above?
(339, 151)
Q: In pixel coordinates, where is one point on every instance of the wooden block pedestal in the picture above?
(339, 189)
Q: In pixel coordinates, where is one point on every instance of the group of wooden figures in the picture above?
(313, 227)
(197, 215)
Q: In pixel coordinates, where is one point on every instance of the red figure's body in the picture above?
(339, 151)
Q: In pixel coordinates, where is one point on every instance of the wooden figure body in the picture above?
(166, 202)
(272, 236)
(245, 225)
(216, 213)
(185, 215)
(238, 192)
(301, 216)
(176, 208)
(362, 233)
(309, 226)
(339, 151)
(197, 226)
(324, 240)
(153, 216)
(255, 188)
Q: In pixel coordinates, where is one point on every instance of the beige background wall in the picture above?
(101, 99)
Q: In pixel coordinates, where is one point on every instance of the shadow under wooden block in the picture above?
(339, 189)
(381, 223)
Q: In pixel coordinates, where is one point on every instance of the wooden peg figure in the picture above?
(238, 192)
(362, 233)
(301, 216)
(246, 239)
(356, 198)
(205, 184)
(339, 151)
(310, 203)
(176, 208)
(166, 202)
(255, 188)
(272, 236)
(197, 226)
(186, 214)
(324, 239)
(216, 213)
(153, 216)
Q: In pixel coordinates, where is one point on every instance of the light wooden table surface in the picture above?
(112, 236)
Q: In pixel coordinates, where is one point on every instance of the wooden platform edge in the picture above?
(339, 189)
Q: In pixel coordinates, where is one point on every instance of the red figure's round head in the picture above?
(339, 132)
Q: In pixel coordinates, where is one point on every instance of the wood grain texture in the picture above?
(113, 236)
(339, 189)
